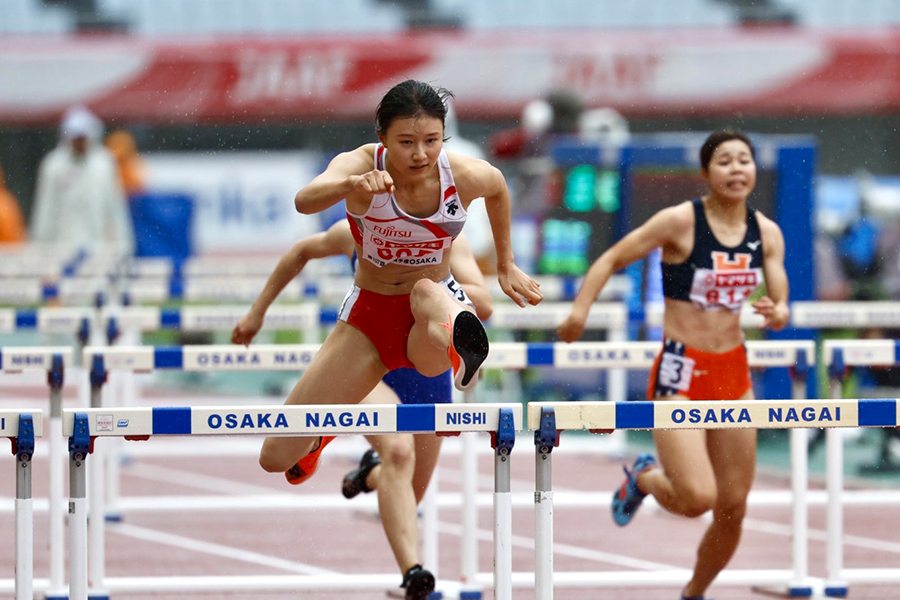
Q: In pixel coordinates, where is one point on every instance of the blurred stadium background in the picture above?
(235, 104)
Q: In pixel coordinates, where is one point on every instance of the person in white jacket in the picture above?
(79, 203)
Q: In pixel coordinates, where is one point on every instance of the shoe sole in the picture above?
(470, 342)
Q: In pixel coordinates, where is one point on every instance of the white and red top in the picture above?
(388, 235)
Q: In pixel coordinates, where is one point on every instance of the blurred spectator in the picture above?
(889, 259)
(537, 185)
(79, 201)
(132, 172)
(12, 225)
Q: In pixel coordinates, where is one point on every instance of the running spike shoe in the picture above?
(355, 481)
(306, 466)
(468, 349)
(627, 499)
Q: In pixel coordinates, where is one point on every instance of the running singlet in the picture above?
(388, 235)
(716, 276)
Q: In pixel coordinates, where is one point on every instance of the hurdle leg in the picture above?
(503, 442)
(24, 510)
(97, 501)
(79, 447)
(615, 443)
(545, 438)
(835, 586)
(800, 586)
(56, 587)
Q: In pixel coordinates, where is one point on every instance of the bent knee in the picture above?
(731, 510)
(272, 461)
(429, 369)
(399, 454)
(421, 292)
(695, 502)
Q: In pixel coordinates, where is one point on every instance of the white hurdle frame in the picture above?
(308, 318)
(22, 426)
(797, 354)
(54, 360)
(549, 418)
(83, 426)
(839, 356)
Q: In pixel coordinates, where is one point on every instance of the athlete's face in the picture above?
(731, 174)
(414, 144)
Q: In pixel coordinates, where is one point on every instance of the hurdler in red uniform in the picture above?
(407, 200)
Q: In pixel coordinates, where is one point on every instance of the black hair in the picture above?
(716, 139)
(411, 98)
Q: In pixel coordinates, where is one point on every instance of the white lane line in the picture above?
(564, 549)
(186, 543)
(820, 535)
(193, 479)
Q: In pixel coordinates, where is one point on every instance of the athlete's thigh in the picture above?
(383, 394)
(345, 369)
(683, 455)
(732, 453)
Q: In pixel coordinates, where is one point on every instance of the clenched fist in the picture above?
(373, 182)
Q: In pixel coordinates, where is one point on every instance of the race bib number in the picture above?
(382, 251)
(724, 289)
(675, 371)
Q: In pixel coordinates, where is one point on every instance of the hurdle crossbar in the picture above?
(83, 426)
(506, 355)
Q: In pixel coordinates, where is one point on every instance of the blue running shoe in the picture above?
(628, 497)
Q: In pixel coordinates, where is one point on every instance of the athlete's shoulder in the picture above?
(360, 160)
(769, 230)
(678, 217)
(475, 177)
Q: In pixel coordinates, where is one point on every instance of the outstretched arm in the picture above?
(466, 272)
(774, 306)
(659, 230)
(514, 282)
(336, 240)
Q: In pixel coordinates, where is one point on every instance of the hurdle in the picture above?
(795, 354)
(21, 426)
(84, 426)
(839, 357)
(550, 418)
(54, 360)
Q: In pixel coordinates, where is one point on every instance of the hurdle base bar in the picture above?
(8, 588)
(777, 591)
(256, 583)
(663, 578)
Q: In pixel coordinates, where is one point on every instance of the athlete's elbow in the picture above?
(484, 309)
(303, 204)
